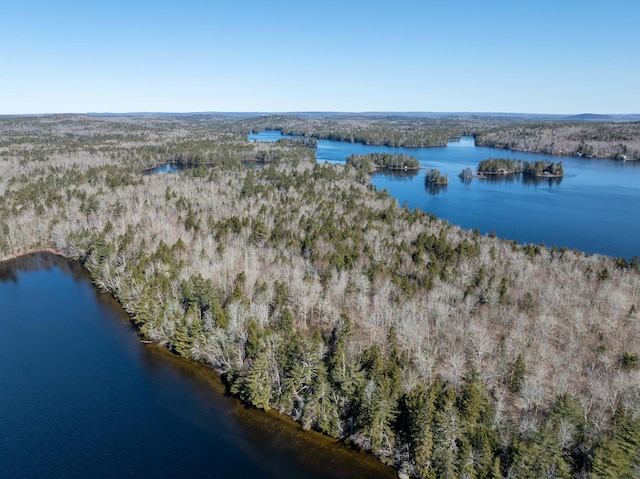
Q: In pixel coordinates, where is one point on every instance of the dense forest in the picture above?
(619, 141)
(443, 352)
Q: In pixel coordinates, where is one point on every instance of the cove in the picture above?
(594, 208)
(81, 396)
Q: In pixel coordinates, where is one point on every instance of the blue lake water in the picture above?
(595, 207)
(81, 396)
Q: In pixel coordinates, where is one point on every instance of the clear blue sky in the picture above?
(560, 56)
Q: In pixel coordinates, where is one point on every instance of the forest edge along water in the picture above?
(593, 208)
(320, 297)
(82, 396)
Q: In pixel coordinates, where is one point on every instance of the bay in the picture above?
(594, 208)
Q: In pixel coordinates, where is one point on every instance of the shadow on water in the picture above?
(10, 269)
(276, 442)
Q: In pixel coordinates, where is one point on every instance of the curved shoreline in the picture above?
(310, 445)
(316, 436)
(43, 249)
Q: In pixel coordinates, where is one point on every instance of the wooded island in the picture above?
(507, 166)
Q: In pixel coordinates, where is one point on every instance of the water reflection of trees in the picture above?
(502, 178)
(397, 174)
(524, 179)
(466, 181)
(37, 261)
(434, 189)
(541, 180)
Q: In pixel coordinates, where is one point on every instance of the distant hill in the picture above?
(588, 117)
(499, 116)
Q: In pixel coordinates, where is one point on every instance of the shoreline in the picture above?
(559, 155)
(284, 423)
(43, 249)
(273, 412)
(484, 176)
(400, 168)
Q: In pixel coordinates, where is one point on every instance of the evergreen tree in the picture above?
(256, 385)
(540, 456)
(248, 188)
(419, 405)
(517, 375)
(618, 455)
(341, 366)
(476, 417)
(321, 411)
(447, 432)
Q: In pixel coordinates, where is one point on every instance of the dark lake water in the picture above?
(176, 168)
(81, 396)
(595, 208)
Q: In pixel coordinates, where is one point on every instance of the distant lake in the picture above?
(81, 396)
(176, 168)
(595, 208)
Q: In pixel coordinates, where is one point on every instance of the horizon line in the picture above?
(325, 112)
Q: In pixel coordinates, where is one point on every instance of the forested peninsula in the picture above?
(443, 352)
(618, 141)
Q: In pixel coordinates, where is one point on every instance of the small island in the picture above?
(466, 174)
(434, 177)
(305, 142)
(543, 169)
(500, 166)
(508, 166)
(372, 162)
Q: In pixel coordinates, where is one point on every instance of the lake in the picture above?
(595, 208)
(81, 396)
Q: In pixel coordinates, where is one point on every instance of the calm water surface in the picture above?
(594, 208)
(80, 396)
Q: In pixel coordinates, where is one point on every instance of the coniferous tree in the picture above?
(516, 379)
(419, 405)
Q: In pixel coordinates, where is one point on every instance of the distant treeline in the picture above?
(620, 141)
(368, 130)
